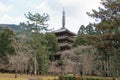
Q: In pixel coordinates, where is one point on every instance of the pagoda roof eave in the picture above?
(63, 30)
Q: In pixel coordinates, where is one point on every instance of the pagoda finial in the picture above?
(63, 19)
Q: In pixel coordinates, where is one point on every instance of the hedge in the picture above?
(65, 77)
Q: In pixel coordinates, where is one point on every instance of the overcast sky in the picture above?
(12, 11)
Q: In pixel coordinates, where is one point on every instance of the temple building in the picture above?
(65, 40)
(65, 37)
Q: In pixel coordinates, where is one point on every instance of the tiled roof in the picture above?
(63, 30)
(60, 30)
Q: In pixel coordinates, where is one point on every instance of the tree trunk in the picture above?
(35, 65)
(15, 73)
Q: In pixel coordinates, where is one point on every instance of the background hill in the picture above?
(12, 26)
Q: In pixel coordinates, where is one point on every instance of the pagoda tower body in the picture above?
(65, 37)
(65, 40)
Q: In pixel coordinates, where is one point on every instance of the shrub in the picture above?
(97, 78)
(63, 77)
(78, 78)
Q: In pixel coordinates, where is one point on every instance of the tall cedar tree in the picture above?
(52, 43)
(35, 25)
(42, 44)
(80, 40)
(107, 38)
(108, 27)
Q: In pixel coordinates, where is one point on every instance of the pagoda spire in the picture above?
(63, 19)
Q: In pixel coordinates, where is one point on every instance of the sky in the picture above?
(12, 11)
